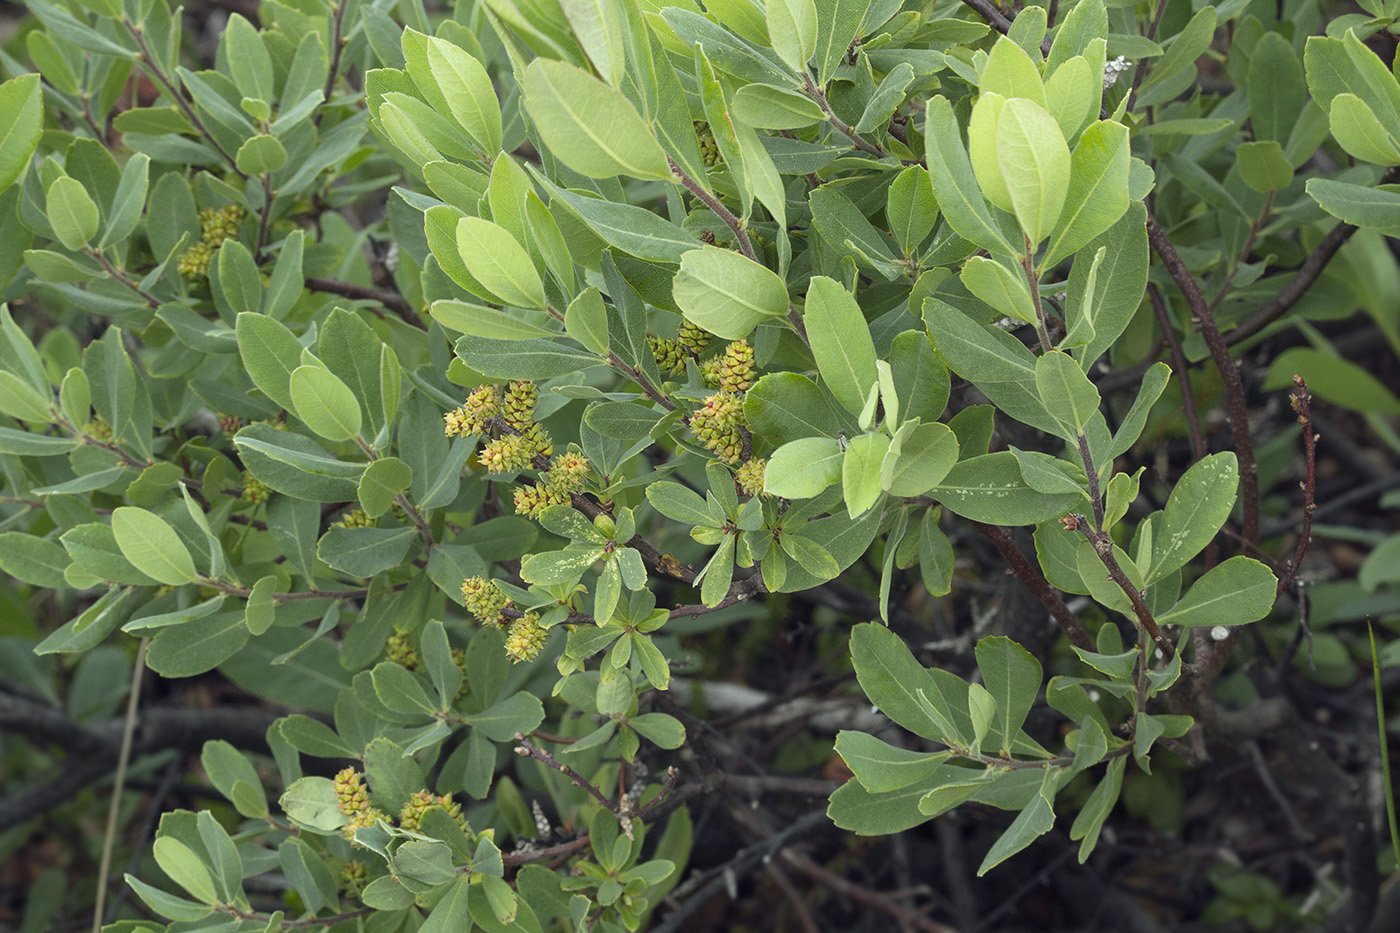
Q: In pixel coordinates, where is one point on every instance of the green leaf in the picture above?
(660, 729)
(477, 320)
(1096, 809)
(840, 341)
(1359, 132)
(1275, 87)
(838, 25)
(325, 403)
(792, 30)
(1035, 162)
(1357, 204)
(1130, 428)
(185, 868)
(888, 98)
(270, 354)
(1176, 70)
(128, 202)
(634, 230)
(924, 460)
(1335, 379)
(726, 293)
(364, 552)
(1004, 290)
(911, 208)
(382, 481)
(248, 60)
(590, 127)
(1010, 73)
(1066, 392)
(1098, 190)
(1012, 676)
(1199, 504)
(152, 546)
(261, 155)
(72, 212)
(470, 96)
(954, 184)
(496, 260)
(680, 504)
(881, 767)
(33, 560)
(892, 679)
(1263, 165)
(860, 472)
(1238, 591)
(19, 400)
(295, 466)
(519, 712)
(768, 106)
(1071, 95)
(191, 649)
(989, 488)
(522, 359)
(21, 125)
(800, 469)
(1034, 821)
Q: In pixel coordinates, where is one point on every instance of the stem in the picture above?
(713, 203)
(1141, 71)
(1095, 496)
(402, 502)
(1049, 597)
(1032, 280)
(337, 44)
(151, 300)
(840, 125)
(1254, 229)
(1229, 375)
(389, 299)
(1183, 373)
(1301, 404)
(148, 64)
(1103, 546)
(1307, 274)
(265, 220)
(528, 749)
(635, 374)
(119, 782)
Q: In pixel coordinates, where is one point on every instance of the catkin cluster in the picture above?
(719, 421)
(215, 227)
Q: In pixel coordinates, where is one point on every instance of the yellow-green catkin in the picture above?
(399, 649)
(692, 338)
(518, 408)
(353, 800)
(357, 518)
(750, 477)
(483, 404)
(526, 638)
(508, 454)
(669, 356)
(215, 227)
(411, 817)
(98, 430)
(255, 490)
(709, 149)
(485, 600)
(716, 423)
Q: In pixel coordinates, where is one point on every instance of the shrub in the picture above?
(439, 378)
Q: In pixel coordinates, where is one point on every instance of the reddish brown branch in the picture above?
(389, 299)
(1049, 597)
(1301, 402)
(1237, 409)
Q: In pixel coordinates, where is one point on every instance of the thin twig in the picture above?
(860, 142)
(1254, 229)
(528, 749)
(149, 65)
(714, 204)
(389, 299)
(1049, 597)
(1103, 546)
(874, 899)
(1301, 402)
(151, 300)
(1033, 281)
(1183, 372)
(337, 44)
(118, 782)
(1236, 405)
(1141, 70)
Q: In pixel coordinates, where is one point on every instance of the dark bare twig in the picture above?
(1049, 597)
(860, 142)
(389, 299)
(1141, 71)
(1229, 374)
(1301, 402)
(528, 749)
(1183, 372)
(337, 45)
